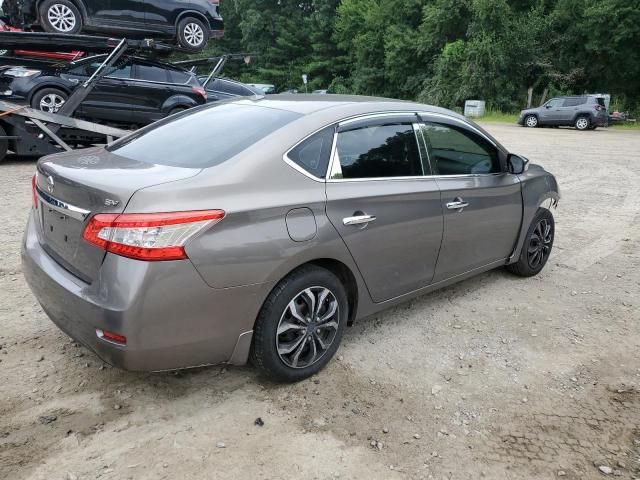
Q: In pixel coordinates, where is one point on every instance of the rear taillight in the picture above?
(148, 236)
(200, 91)
(34, 195)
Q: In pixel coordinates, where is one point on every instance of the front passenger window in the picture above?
(456, 151)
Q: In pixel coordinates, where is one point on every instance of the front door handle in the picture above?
(358, 219)
(457, 204)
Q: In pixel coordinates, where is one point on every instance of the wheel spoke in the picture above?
(322, 345)
(333, 324)
(296, 355)
(331, 311)
(293, 308)
(321, 299)
(310, 300)
(286, 348)
(287, 326)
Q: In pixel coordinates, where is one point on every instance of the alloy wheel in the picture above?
(51, 103)
(539, 244)
(582, 123)
(193, 34)
(307, 327)
(61, 17)
(532, 121)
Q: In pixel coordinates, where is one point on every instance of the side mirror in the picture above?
(547, 105)
(516, 164)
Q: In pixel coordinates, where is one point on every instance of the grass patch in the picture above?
(625, 125)
(495, 116)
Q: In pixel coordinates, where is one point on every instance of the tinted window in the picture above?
(230, 88)
(378, 151)
(120, 70)
(456, 151)
(176, 76)
(202, 137)
(151, 73)
(313, 154)
(574, 101)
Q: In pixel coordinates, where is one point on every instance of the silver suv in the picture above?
(586, 112)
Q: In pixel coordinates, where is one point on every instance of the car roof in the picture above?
(307, 104)
(101, 56)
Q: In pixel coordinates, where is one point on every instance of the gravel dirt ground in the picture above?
(497, 377)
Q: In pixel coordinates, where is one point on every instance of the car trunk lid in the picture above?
(72, 187)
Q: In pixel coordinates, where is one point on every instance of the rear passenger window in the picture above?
(313, 154)
(456, 151)
(575, 101)
(378, 151)
(151, 73)
(178, 77)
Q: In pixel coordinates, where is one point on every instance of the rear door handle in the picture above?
(358, 219)
(458, 204)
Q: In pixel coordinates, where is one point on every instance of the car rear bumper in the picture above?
(171, 318)
(601, 119)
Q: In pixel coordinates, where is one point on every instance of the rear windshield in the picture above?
(203, 136)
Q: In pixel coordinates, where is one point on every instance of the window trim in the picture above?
(297, 167)
(422, 117)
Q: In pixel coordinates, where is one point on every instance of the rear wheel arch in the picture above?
(340, 270)
(190, 13)
(78, 3)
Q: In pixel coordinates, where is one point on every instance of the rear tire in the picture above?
(49, 100)
(192, 34)
(60, 16)
(531, 121)
(300, 325)
(537, 245)
(4, 144)
(582, 123)
(177, 110)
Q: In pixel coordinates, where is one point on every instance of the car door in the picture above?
(386, 210)
(110, 98)
(550, 113)
(115, 13)
(481, 203)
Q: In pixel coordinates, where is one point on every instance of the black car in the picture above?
(221, 89)
(190, 22)
(135, 91)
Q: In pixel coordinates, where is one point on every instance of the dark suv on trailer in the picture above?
(135, 91)
(586, 112)
(190, 22)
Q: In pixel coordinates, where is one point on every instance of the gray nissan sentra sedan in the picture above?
(260, 228)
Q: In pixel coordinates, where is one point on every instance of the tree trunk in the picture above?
(529, 96)
(544, 95)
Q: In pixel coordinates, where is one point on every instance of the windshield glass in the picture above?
(203, 136)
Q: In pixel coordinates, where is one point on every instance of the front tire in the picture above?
(582, 123)
(49, 100)
(531, 121)
(60, 16)
(537, 245)
(192, 34)
(300, 325)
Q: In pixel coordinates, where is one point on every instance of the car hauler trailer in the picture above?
(29, 132)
